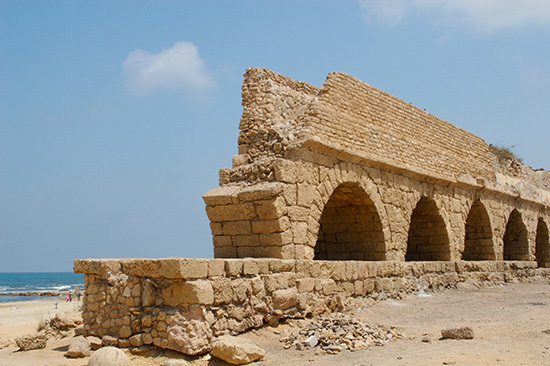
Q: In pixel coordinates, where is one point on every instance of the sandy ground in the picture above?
(511, 325)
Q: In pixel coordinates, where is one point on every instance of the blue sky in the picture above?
(115, 116)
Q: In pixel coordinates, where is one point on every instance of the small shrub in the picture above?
(504, 153)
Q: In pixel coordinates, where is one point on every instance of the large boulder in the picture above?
(109, 356)
(237, 351)
(79, 348)
(32, 341)
(66, 321)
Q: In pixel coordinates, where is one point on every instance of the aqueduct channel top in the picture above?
(349, 172)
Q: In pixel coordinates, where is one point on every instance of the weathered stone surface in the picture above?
(109, 356)
(192, 292)
(66, 321)
(188, 333)
(237, 351)
(79, 348)
(32, 341)
(95, 342)
(109, 341)
(458, 333)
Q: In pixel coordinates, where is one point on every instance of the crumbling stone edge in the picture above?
(183, 303)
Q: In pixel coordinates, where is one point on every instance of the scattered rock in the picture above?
(237, 351)
(79, 331)
(311, 341)
(337, 332)
(95, 343)
(66, 321)
(32, 341)
(458, 333)
(79, 348)
(426, 339)
(109, 356)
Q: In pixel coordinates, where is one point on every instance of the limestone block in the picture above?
(187, 333)
(271, 209)
(236, 351)
(225, 252)
(244, 211)
(220, 196)
(223, 241)
(276, 239)
(184, 268)
(270, 226)
(234, 267)
(216, 267)
(250, 267)
(305, 285)
(188, 292)
(284, 299)
(285, 171)
(261, 191)
(236, 228)
(290, 194)
(306, 194)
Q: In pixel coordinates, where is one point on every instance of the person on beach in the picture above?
(69, 298)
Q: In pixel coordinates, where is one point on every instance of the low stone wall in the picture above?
(182, 303)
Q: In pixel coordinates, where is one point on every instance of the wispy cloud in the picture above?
(482, 15)
(179, 67)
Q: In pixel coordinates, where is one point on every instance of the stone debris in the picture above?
(458, 333)
(66, 321)
(337, 332)
(32, 341)
(79, 348)
(237, 351)
(109, 356)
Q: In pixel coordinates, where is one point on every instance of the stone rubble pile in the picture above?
(337, 332)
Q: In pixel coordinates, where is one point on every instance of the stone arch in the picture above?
(428, 239)
(478, 238)
(516, 244)
(350, 227)
(542, 244)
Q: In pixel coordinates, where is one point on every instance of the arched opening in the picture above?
(350, 228)
(542, 246)
(428, 239)
(516, 246)
(478, 241)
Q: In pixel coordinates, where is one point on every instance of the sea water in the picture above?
(38, 282)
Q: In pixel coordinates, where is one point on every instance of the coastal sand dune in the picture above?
(511, 325)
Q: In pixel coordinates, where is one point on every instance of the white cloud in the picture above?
(482, 15)
(179, 67)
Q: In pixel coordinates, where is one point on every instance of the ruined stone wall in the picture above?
(346, 171)
(181, 304)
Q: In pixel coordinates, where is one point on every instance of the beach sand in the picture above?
(511, 325)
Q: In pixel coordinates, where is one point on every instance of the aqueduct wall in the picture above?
(348, 172)
(337, 192)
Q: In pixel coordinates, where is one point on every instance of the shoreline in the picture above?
(11, 297)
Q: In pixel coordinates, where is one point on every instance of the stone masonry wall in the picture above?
(418, 188)
(181, 304)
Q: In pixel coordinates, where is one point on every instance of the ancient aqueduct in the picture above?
(337, 190)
